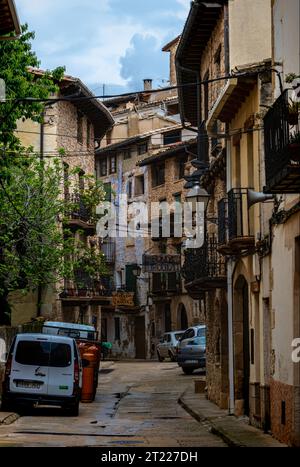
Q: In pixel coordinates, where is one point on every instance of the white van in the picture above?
(45, 370)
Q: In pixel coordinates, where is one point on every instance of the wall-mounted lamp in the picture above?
(255, 197)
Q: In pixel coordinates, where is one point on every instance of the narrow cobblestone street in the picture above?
(136, 405)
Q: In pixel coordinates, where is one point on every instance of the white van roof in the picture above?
(79, 327)
(44, 338)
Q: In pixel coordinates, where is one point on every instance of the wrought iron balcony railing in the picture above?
(85, 286)
(282, 147)
(79, 212)
(235, 225)
(165, 283)
(204, 268)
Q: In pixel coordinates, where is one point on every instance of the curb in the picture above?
(9, 419)
(214, 429)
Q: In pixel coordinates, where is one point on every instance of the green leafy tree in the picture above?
(16, 61)
(36, 246)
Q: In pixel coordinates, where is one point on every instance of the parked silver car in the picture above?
(191, 350)
(167, 347)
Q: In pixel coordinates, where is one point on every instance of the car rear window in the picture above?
(201, 332)
(43, 354)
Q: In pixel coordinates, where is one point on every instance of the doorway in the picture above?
(242, 342)
(139, 338)
(183, 319)
(168, 320)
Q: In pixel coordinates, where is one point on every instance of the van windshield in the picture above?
(43, 354)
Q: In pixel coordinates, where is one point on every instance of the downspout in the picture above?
(42, 135)
(230, 263)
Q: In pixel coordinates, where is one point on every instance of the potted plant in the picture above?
(294, 109)
(294, 146)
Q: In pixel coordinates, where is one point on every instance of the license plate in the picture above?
(28, 385)
(191, 362)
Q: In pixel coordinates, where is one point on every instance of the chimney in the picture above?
(147, 84)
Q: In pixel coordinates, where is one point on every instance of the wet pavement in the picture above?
(136, 405)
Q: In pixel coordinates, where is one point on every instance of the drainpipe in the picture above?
(42, 134)
(230, 268)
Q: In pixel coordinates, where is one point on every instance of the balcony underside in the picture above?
(95, 300)
(237, 245)
(78, 224)
(196, 288)
(287, 180)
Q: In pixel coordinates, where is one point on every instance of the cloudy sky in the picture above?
(111, 42)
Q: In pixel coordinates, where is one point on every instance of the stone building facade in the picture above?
(207, 61)
(73, 128)
(257, 221)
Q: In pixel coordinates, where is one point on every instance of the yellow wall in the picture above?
(250, 31)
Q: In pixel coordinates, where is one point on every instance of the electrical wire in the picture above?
(138, 93)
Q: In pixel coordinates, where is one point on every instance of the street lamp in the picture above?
(137, 270)
(198, 195)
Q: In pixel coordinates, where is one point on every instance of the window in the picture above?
(108, 191)
(158, 175)
(172, 137)
(117, 329)
(218, 62)
(108, 137)
(34, 353)
(81, 180)
(66, 181)
(139, 184)
(142, 148)
(181, 167)
(130, 278)
(127, 154)
(88, 133)
(129, 189)
(103, 167)
(113, 165)
(79, 127)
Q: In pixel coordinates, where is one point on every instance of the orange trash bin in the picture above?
(87, 393)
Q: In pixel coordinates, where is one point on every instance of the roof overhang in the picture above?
(9, 20)
(230, 99)
(162, 156)
(96, 111)
(199, 26)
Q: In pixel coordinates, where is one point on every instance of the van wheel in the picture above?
(6, 406)
(72, 410)
(188, 371)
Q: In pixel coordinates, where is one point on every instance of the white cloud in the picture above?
(90, 37)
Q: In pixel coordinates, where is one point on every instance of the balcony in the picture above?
(165, 284)
(234, 223)
(204, 268)
(282, 154)
(85, 289)
(80, 217)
